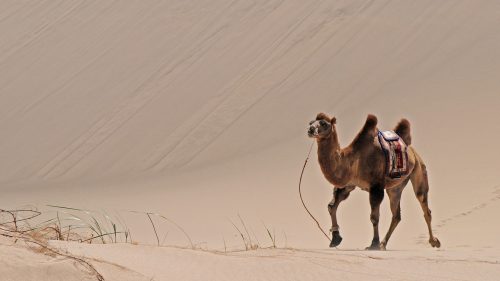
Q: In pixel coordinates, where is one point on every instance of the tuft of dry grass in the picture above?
(164, 218)
(36, 228)
(88, 226)
(18, 225)
(246, 238)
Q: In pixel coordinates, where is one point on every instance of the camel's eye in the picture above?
(323, 123)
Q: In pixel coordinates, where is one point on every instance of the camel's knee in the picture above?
(374, 219)
(421, 194)
(428, 214)
(397, 217)
(333, 204)
(331, 208)
(339, 195)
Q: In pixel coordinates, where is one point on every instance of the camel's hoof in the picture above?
(336, 239)
(382, 246)
(374, 246)
(435, 242)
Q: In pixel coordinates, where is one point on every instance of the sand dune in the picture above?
(131, 262)
(22, 262)
(197, 110)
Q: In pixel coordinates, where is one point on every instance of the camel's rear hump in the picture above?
(403, 130)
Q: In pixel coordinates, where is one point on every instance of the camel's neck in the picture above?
(333, 165)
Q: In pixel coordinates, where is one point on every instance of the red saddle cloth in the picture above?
(396, 154)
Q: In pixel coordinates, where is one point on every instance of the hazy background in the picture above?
(198, 110)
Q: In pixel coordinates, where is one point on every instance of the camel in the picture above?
(362, 164)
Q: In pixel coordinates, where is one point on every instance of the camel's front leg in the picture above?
(376, 197)
(339, 194)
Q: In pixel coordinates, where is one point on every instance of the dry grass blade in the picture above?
(241, 234)
(271, 237)
(225, 247)
(98, 228)
(154, 228)
(100, 236)
(251, 246)
(16, 220)
(178, 227)
(14, 213)
(124, 225)
(77, 259)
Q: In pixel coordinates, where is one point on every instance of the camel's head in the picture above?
(321, 127)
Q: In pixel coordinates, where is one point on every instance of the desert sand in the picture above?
(197, 110)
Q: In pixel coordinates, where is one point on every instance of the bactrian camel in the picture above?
(362, 164)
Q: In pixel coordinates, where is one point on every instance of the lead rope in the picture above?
(300, 194)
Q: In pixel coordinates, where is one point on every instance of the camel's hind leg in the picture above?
(394, 198)
(421, 187)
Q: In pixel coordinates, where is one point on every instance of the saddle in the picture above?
(396, 154)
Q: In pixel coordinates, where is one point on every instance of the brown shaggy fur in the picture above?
(403, 130)
(322, 116)
(362, 164)
(366, 134)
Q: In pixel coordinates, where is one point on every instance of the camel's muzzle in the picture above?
(312, 132)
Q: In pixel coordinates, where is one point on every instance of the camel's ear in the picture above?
(333, 121)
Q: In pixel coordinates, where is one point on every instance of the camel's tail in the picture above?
(403, 130)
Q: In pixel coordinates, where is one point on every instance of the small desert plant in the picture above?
(20, 226)
(150, 216)
(245, 237)
(89, 226)
(100, 225)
